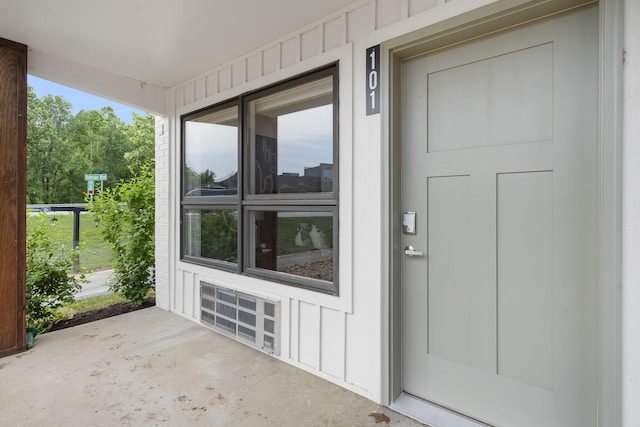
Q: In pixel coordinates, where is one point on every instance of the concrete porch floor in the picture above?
(151, 367)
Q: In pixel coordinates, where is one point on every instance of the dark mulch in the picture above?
(322, 270)
(102, 313)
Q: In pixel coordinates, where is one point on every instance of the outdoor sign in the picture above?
(373, 80)
(95, 176)
(90, 188)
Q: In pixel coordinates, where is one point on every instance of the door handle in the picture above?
(410, 251)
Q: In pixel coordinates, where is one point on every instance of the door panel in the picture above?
(482, 93)
(499, 160)
(448, 315)
(525, 277)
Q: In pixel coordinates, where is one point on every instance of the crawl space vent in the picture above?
(247, 318)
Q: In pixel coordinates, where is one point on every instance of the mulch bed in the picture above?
(102, 313)
(322, 270)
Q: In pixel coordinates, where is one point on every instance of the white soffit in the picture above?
(156, 43)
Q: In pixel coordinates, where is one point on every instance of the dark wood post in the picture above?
(13, 173)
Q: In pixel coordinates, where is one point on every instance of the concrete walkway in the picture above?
(96, 284)
(151, 367)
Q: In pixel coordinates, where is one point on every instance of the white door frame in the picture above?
(610, 191)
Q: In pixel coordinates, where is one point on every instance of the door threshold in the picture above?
(432, 414)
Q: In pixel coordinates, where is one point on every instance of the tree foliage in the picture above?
(62, 148)
(47, 148)
(141, 135)
(126, 216)
(222, 240)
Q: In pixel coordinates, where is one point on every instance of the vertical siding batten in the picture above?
(255, 66)
(294, 330)
(333, 33)
(270, 60)
(178, 99)
(310, 44)
(290, 52)
(189, 93)
(186, 275)
(418, 6)
(332, 342)
(309, 334)
(404, 9)
(200, 89)
(212, 84)
(238, 73)
(224, 78)
(191, 297)
(285, 329)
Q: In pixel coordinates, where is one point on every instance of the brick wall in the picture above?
(162, 212)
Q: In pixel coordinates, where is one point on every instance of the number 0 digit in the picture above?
(373, 80)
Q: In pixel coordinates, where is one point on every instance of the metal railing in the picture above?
(76, 208)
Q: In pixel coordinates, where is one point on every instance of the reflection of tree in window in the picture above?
(221, 236)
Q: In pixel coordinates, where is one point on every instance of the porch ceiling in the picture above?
(158, 43)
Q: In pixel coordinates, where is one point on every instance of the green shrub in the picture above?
(49, 282)
(127, 222)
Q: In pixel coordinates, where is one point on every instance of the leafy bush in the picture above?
(49, 282)
(222, 235)
(127, 222)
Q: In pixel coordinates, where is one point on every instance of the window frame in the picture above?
(244, 202)
(226, 202)
(290, 279)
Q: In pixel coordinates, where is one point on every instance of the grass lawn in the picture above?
(86, 305)
(288, 229)
(95, 254)
(89, 304)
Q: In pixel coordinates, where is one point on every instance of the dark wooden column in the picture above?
(13, 172)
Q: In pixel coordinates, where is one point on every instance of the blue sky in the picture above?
(79, 100)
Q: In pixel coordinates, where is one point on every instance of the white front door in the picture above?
(500, 164)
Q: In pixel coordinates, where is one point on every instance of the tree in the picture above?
(47, 145)
(126, 216)
(100, 139)
(142, 137)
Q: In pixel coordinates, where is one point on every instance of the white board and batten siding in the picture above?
(337, 338)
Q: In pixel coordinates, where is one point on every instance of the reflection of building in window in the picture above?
(318, 179)
(229, 182)
(325, 174)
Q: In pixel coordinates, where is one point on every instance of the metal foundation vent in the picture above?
(247, 318)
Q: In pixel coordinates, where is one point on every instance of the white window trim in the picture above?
(344, 302)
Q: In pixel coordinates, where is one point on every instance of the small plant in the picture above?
(49, 280)
(127, 222)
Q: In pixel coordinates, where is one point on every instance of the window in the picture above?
(260, 183)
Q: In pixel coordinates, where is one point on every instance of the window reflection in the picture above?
(211, 154)
(211, 234)
(292, 140)
(298, 243)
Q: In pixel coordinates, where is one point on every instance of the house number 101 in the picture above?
(373, 80)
